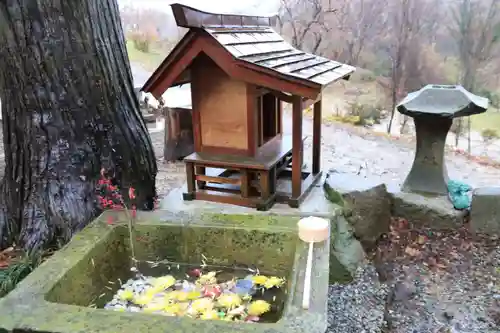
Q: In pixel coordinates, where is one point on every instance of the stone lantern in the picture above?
(433, 108)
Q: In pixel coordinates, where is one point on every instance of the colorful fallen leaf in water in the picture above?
(229, 301)
(192, 295)
(163, 282)
(126, 295)
(177, 295)
(237, 312)
(210, 315)
(243, 287)
(211, 291)
(259, 279)
(172, 309)
(421, 240)
(202, 305)
(258, 307)
(195, 272)
(273, 282)
(208, 278)
(143, 299)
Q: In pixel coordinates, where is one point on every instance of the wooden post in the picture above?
(296, 147)
(316, 156)
(280, 116)
(167, 146)
(200, 170)
(191, 183)
(265, 187)
(245, 183)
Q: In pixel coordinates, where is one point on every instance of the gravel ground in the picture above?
(358, 307)
(170, 175)
(440, 281)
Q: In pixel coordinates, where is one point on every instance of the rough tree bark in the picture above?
(69, 109)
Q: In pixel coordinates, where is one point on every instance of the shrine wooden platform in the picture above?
(315, 202)
(250, 181)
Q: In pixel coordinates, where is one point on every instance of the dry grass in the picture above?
(150, 60)
(362, 88)
(487, 120)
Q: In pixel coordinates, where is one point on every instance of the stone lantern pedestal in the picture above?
(433, 109)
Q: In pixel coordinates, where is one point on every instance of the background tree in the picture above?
(409, 25)
(356, 24)
(305, 21)
(68, 109)
(475, 28)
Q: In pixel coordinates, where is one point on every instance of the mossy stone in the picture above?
(55, 297)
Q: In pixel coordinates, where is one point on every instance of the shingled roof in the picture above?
(252, 43)
(266, 48)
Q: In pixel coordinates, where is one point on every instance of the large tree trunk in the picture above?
(69, 109)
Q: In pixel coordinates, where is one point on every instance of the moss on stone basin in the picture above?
(55, 297)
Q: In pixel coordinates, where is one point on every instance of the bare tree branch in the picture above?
(305, 19)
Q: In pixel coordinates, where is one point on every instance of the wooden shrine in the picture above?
(241, 72)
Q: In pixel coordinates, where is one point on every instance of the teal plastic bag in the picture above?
(460, 194)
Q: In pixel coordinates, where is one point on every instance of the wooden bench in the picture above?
(245, 181)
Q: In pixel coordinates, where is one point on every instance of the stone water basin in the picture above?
(68, 292)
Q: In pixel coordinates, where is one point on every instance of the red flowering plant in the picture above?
(110, 197)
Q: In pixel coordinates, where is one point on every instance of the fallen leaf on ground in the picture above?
(5, 257)
(412, 251)
(431, 262)
(7, 250)
(421, 240)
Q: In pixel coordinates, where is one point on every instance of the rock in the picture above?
(403, 291)
(346, 254)
(427, 211)
(358, 306)
(485, 211)
(367, 204)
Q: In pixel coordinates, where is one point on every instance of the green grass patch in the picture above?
(17, 271)
(488, 120)
(150, 60)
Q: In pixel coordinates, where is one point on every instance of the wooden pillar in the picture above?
(191, 183)
(265, 185)
(280, 115)
(316, 156)
(297, 147)
(200, 170)
(167, 154)
(252, 120)
(245, 183)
